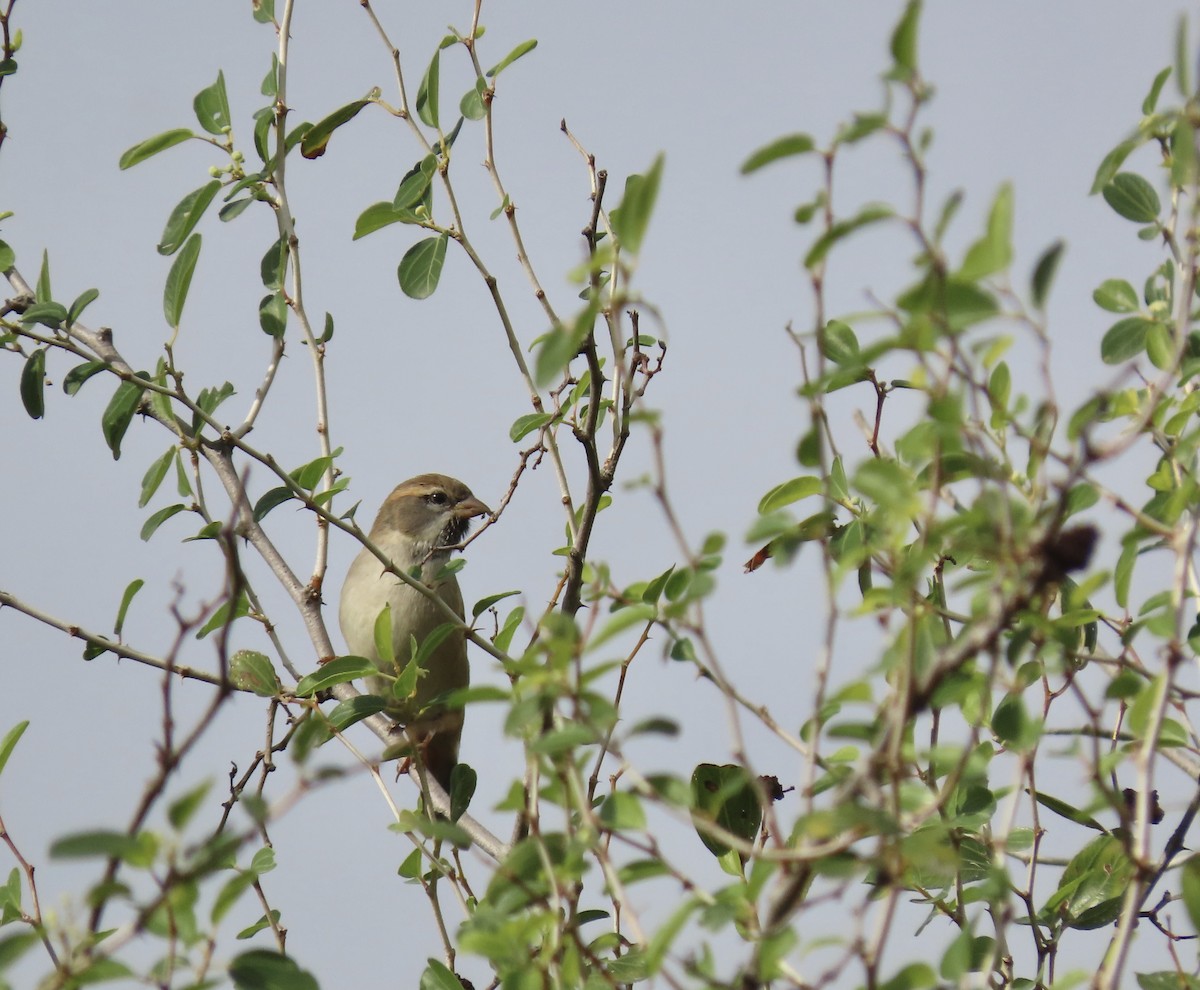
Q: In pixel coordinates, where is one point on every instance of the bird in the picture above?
(418, 526)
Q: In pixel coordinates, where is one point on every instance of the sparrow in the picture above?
(417, 527)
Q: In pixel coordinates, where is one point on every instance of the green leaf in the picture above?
(1067, 811)
(1125, 339)
(993, 252)
(726, 796)
(273, 266)
(271, 499)
(1183, 154)
(503, 639)
(1189, 880)
(431, 642)
(1182, 75)
(484, 604)
(838, 343)
(632, 217)
(1112, 163)
(421, 267)
(439, 976)
(446, 141)
(232, 210)
(463, 781)
(264, 922)
(783, 147)
(379, 215)
(789, 492)
(316, 138)
(185, 216)
(42, 291)
(434, 828)
(231, 893)
(212, 107)
(861, 126)
(563, 343)
(427, 93)
(1151, 100)
(151, 525)
(152, 146)
(999, 387)
(844, 228)
(623, 812)
(1167, 979)
(337, 671)
(264, 969)
(1092, 887)
(136, 850)
(183, 809)
(522, 49)
(179, 280)
(1123, 573)
(33, 384)
(1044, 271)
(48, 314)
(1132, 197)
(654, 590)
(273, 314)
(524, 425)
(82, 301)
(1160, 346)
(415, 184)
(1116, 296)
(13, 947)
(154, 476)
(119, 413)
(8, 257)
(471, 106)
(308, 476)
(1012, 724)
(250, 670)
(345, 713)
(631, 615)
(904, 40)
(131, 590)
(10, 740)
(75, 378)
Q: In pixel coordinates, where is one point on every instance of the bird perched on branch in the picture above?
(418, 526)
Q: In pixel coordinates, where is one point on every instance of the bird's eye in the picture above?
(437, 498)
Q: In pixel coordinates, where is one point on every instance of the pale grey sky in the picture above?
(1027, 92)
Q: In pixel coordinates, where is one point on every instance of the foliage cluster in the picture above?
(959, 526)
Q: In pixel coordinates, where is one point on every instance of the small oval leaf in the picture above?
(119, 414)
(33, 384)
(427, 94)
(1132, 197)
(1125, 339)
(185, 216)
(152, 146)
(316, 138)
(784, 147)
(179, 280)
(789, 492)
(421, 267)
(1116, 296)
(252, 671)
(212, 107)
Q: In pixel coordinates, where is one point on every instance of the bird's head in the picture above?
(433, 511)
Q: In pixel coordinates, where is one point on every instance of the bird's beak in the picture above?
(470, 508)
